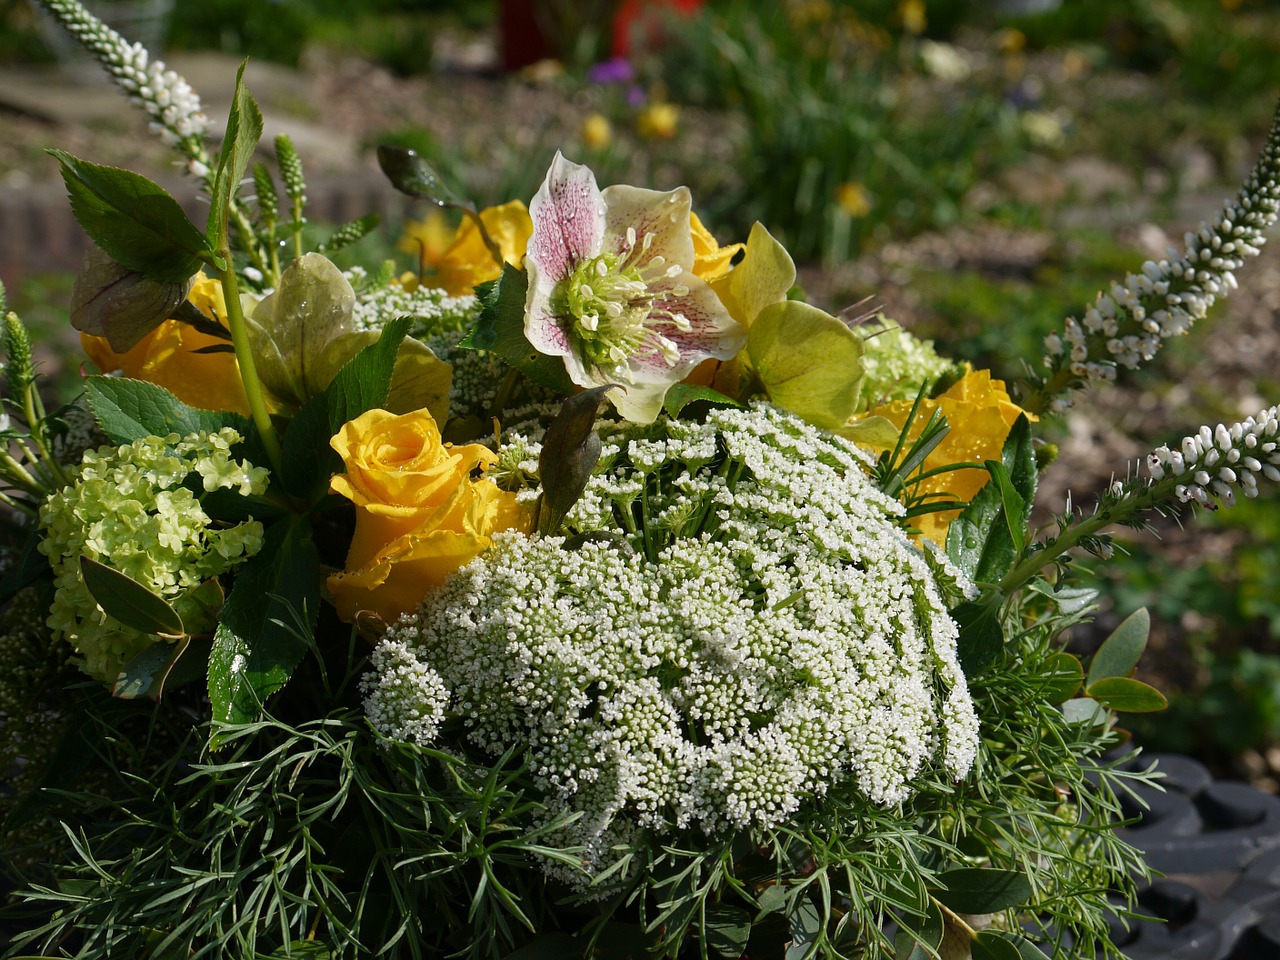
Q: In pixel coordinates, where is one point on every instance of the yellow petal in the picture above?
(710, 260)
(468, 261)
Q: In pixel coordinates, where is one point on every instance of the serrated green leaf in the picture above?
(990, 945)
(256, 646)
(1066, 675)
(727, 929)
(244, 130)
(1125, 695)
(126, 600)
(1119, 654)
(917, 936)
(134, 220)
(981, 633)
(808, 362)
(681, 395)
(499, 329)
(110, 300)
(129, 410)
(981, 889)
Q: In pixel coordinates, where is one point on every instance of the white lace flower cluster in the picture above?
(1214, 462)
(784, 637)
(175, 109)
(137, 509)
(1127, 325)
(434, 312)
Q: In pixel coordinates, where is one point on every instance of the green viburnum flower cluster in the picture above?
(770, 631)
(137, 509)
(895, 364)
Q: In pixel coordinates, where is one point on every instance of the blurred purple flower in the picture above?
(615, 70)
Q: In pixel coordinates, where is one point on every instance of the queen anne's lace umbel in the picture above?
(797, 641)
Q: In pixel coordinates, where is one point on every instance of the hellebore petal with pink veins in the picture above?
(612, 289)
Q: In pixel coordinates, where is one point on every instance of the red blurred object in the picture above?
(638, 23)
(520, 35)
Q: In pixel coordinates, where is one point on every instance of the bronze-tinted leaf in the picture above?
(410, 173)
(112, 301)
(569, 453)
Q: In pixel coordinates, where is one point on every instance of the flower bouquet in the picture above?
(611, 602)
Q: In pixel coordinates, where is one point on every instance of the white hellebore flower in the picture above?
(612, 289)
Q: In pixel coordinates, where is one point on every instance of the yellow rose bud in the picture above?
(419, 514)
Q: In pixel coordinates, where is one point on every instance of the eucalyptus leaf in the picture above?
(990, 945)
(135, 221)
(807, 361)
(982, 889)
(113, 301)
(570, 450)
(1066, 676)
(1119, 654)
(1085, 710)
(726, 930)
(244, 130)
(918, 938)
(153, 670)
(1125, 695)
(129, 602)
(806, 924)
(499, 329)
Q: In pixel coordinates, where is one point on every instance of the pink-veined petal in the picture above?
(662, 213)
(542, 328)
(568, 215)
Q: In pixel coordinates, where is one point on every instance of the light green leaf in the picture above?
(110, 300)
(874, 431)
(806, 923)
(681, 395)
(1085, 710)
(982, 889)
(762, 279)
(135, 221)
(244, 129)
(1125, 695)
(808, 362)
(1119, 654)
(126, 600)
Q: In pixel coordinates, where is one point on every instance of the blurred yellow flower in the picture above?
(419, 514)
(911, 13)
(167, 356)
(597, 132)
(1011, 40)
(658, 121)
(853, 198)
(980, 413)
(462, 261)
(428, 238)
(710, 260)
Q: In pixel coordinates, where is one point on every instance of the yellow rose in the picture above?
(167, 357)
(466, 261)
(980, 413)
(419, 514)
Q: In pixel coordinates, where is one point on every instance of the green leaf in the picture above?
(1023, 948)
(500, 330)
(727, 930)
(298, 950)
(257, 644)
(244, 129)
(112, 301)
(1126, 696)
(762, 279)
(129, 410)
(980, 541)
(981, 633)
(808, 362)
(990, 945)
(1012, 505)
(411, 174)
(1065, 674)
(569, 453)
(681, 395)
(981, 889)
(147, 674)
(806, 924)
(1119, 654)
(1085, 710)
(135, 221)
(128, 601)
(917, 936)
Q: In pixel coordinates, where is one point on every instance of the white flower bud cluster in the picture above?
(1127, 325)
(176, 113)
(801, 643)
(1213, 463)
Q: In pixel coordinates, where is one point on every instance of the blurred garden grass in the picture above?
(979, 173)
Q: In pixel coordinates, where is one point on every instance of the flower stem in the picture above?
(244, 356)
